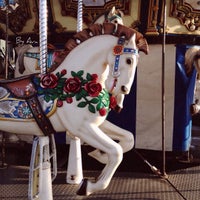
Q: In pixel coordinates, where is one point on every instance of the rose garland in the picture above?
(85, 90)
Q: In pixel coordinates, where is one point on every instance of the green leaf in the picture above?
(73, 73)
(80, 73)
(59, 91)
(89, 77)
(94, 100)
(78, 96)
(59, 86)
(82, 104)
(91, 108)
(84, 93)
(63, 97)
(54, 96)
(62, 80)
(58, 74)
(99, 106)
(47, 98)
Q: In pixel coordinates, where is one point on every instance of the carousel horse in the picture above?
(27, 62)
(11, 58)
(77, 93)
(192, 59)
(113, 16)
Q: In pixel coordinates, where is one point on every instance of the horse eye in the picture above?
(128, 61)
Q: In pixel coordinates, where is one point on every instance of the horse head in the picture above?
(112, 16)
(192, 56)
(123, 62)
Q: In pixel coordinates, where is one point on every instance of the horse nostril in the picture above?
(124, 89)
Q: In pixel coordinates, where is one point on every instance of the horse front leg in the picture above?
(95, 137)
(124, 138)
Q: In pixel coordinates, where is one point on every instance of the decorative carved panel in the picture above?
(153, 18)
(188, 13)
(92, 9)
(16, 17)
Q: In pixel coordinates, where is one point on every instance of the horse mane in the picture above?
(99, 29)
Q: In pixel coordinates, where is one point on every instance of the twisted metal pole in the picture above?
(74, 168)
(6, 50)
(43, 35)
(80, 16)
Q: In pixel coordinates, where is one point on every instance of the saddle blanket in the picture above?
(18, 109)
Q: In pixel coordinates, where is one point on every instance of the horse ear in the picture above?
(112, 12)
(141, 42)
(143, 45)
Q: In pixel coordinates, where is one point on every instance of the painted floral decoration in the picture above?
(87, 91)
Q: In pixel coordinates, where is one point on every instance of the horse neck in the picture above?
(100, 20)
(90, 56)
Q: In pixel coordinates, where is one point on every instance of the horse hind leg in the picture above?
(93, 136)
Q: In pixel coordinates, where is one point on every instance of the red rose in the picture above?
(72, 85)
(59, 103)
(49, 81)
(69, 100)
(93, 88)
(94, 77)
(63, 72)
(102, 111)
(113, 102)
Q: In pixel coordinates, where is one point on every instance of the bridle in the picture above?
(118, 50)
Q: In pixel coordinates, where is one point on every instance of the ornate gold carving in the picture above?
(152, 18)
(188, 13)
(92, 9)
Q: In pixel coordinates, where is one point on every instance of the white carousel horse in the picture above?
(78, 86)
(113, 16)
(192, 59)
(28, 63)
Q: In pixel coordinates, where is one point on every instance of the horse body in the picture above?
(103, 64)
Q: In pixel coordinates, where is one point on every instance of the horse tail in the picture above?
(192, 56)
(20, 57)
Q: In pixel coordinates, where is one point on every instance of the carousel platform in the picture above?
(134, 180)
(124, 185)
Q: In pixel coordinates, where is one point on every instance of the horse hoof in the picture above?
(82, 190)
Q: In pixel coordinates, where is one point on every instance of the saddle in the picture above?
(24, 88)
(21, 87)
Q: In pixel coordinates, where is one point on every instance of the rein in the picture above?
(113, 17)
(118, 50)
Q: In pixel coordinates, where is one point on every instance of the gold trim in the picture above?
(186, 14)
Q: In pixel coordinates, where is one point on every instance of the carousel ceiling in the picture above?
(19, 11)
(150, 21)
